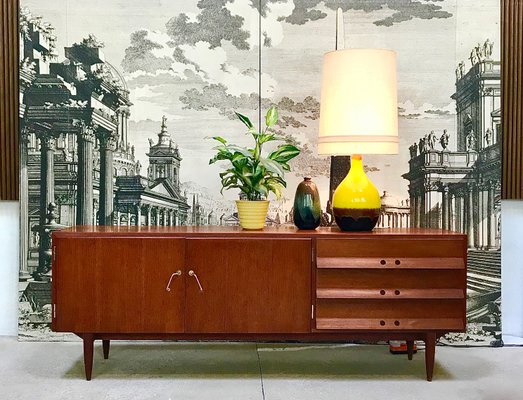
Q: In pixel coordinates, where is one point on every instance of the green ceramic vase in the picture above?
(307, 207)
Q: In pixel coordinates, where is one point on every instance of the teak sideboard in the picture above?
(279, 284)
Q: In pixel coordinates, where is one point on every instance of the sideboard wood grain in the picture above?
(279, 284)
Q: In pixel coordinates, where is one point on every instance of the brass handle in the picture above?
(192, 273)
(177, 273)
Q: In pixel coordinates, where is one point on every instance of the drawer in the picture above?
(389, 294)
(391, 263)
(390, 279)
(376, 308)
(391, 248)
(400, 314)
(454, 324)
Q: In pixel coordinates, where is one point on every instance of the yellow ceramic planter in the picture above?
(252, 214)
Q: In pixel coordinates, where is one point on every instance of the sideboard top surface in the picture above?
(234, 231)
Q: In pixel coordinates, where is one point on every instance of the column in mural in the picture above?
(78, 162)
(84, 201)
(466, 181)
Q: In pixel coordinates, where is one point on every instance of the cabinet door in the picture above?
(249, 285)
(114, 285)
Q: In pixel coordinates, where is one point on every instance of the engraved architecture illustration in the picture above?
(461, 189)
(115, 123)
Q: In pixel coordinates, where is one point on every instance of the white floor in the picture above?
(217, 371)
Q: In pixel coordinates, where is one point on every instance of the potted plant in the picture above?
(253, 173)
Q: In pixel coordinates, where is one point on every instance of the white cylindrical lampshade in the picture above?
(359, 111)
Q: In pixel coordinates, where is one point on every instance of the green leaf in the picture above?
(237, 157)
(263, 138)
(230, 171)
(222, 155)
(245, 171)
(277, 179)
(284, 153)
(272, 116)
(222, 149)
(276, 188)
(245, 120)
(263, 189)
(246, 152)
(253, 131)
(229, 187)
(272, 166)
(220, 139)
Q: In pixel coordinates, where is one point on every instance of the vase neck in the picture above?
(356, 164)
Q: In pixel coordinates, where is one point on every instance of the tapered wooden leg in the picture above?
(410, 348)
(88, 354)
(430, 351)
(105, 346)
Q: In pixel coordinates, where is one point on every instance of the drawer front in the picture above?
(390, 279)
(391, 249)
(401, 308)
(393, 263)
(452, 324)
(389, 293)
(401, 314)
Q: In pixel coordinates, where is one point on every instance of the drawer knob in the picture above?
(397, 292)
(397, 323)
(382, 323)
(382, 292)
(383, 262)
(397, 262)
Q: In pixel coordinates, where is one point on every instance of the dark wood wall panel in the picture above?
(512, 98)
(9, 100)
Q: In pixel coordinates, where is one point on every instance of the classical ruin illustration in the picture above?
(115, 125)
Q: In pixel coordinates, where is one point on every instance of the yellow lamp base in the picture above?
(356, 202)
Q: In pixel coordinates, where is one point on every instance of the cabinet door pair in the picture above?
(177, 285)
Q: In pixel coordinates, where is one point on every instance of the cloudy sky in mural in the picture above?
(196, 62)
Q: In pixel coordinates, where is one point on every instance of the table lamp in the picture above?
(358, 115)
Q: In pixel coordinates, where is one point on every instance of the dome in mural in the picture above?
(116, 76)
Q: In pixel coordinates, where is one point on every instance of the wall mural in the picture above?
(119, 98)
